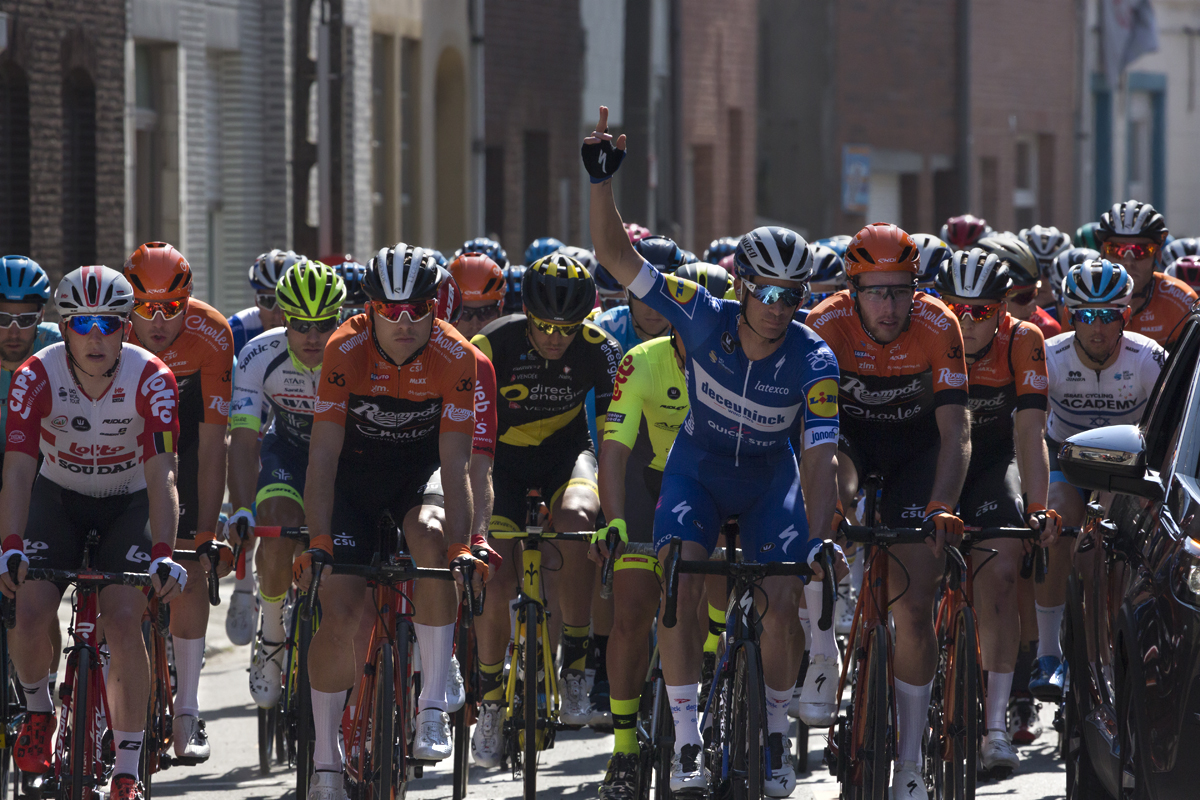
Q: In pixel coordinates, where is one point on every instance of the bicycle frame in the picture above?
(94, 718)
(531, 607)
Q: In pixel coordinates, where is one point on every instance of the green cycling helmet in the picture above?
(310, 290)
(1085, 236)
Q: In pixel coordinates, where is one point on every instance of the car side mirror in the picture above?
(1110, 459)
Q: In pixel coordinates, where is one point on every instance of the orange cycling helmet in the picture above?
(158, 272)
(882, 247)
(479, 277)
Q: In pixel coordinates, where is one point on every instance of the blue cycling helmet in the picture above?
(719, 248)
(513, 275)
(662, 253)
(1097, 281)
(488, 247)
(827, 265)
(352, 274)
(23, 281)
(438, 257)
(540, 248)
(837, 244)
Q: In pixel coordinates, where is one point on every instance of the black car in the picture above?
(1131, 635)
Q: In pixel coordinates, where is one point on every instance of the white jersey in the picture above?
(1083, 398)
(93, 447)
(270, 381)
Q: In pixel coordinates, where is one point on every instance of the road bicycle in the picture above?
(532, 698)
(738, 748)
(470, 606)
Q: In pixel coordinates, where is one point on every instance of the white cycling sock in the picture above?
(37, 696)
(998, 689)
(189, 655)
(777, 707)
(436, 642)
(272, 620)
(246, 584)
(685, 710)
(327, 716)
(128, 751)
(912, 715)
(1049, 620)
(821, 643)
(806, 626)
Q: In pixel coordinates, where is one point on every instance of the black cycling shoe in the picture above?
(621, 780)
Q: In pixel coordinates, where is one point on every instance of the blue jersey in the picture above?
(740, 408)
(245, 324)
(619, 322)
(47, 334)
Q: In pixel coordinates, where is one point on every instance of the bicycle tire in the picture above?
(747, 718)
(305, 732)
(963, 714)
(663, 740)
(79, 724)
(266, 739)
(876, 753)
(462, 768)
(406, 703)
(530, 702)
(7, 701)
(383, 726)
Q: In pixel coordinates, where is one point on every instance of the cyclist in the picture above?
(718, 249)
(611, 292)
(963, 231)
(934, 252)
(542, 247)
(1132, 234)
(265, 314)
(903, 385)
(195, 341)
(513, 276)
(395, 403)
(1008, 475)
(352, 274)
(483, 289)
(127, 495)
(1101, 373)
(635, 232)
(1187, 269)
(1087, 235)
(1023, 302)
(278, 373)
(1176, 250)
(488, 247)
(635, 322)
(546, 363)
(24, 290)
(752, 377)
(1045, 243)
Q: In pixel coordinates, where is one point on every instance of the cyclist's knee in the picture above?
(341, 608)
(279, 511)
(37, 607)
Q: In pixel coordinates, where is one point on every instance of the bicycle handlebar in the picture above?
(567, 536)
(214, 588)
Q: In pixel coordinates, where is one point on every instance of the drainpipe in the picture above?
(476, 218)
(964, 106)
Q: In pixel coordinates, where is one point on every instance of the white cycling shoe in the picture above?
(266, 674)
(783, 773)
(998, 755)
(818, 698)
(242, 617)
(576, 706)
(433, 735)
(456, 692)
(687, 770)
(486, 746)
(908, 783)
(325, 785)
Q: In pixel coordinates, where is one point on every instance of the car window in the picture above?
(1166, 423)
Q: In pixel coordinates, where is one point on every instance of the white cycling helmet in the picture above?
(1097, 282)
(269, 268)
(94, 290)
(773, 252)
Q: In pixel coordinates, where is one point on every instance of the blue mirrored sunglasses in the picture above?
(770, 295)
(82, 324)
(1103, 316)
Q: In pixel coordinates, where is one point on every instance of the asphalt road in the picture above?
(572, 769)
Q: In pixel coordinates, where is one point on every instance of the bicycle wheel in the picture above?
(875, 733)
(406, 702)
(305, 733)
(462, 730)
(266, 738)
(383, 725)
(663, 740)
(7, 708)
(78, 757)
(530, 702)
(747, 721)
(962, 710)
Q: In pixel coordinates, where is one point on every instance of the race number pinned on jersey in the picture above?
(823, 398)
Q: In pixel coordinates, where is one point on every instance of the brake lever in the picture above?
(610, 560)
(828, 587)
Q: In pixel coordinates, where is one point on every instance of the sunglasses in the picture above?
(168, 308)
(976, 313)
(305, 325)
(484, 312)
(266, 301)
(550, 328)
(82, 324)
(1101, 316)
(416, 310)
(770, 295)
(21, 320)
(1128, 250)
(881, 294)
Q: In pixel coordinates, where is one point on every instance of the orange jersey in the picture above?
(201, 358)
(1009, 377)
(894, 387)
(1159, 317)
(390, 411)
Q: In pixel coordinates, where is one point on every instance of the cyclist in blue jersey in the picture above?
(753, 376)
(24, 290)
(265, 314)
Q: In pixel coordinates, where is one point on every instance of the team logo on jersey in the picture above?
(823, 398)
(81, 424)
(1039, 382)
(673, 393)
(727, 342)
(118, 395)
(680, 290)
(16, 437)
(514, 393)
(59, 422)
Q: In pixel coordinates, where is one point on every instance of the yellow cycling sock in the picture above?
(575, 646)
(716, 626)
(491, 682)
(624, 715)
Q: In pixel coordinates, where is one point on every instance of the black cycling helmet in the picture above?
(402, 273)
(662, 253)
(974, 274)
(719, 248)
(713, 278)
(1132, 218)
(1015, 252)
(558, 289)
(488, 247)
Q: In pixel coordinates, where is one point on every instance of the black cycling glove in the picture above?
(601, 160)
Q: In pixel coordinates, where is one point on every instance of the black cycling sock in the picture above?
(491, 679)
(600, 651)
(575, 646)
(1026, 655)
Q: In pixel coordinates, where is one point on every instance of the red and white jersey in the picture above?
(93, 447)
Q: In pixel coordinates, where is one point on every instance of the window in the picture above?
(1138, 166)
(14, 159)
(1025, 184)
(79, 169)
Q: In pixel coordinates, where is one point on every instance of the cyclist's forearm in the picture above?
(20, 469)
(162, 495)
(243, 467)
(613, 249)
(324, 449)
(954, 454)
(818, 482)
(1029, 430)
(210, 476)
(614, 457)
(455, 452)
(481, 493)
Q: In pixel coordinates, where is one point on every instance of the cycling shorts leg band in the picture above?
(273, 490)
(639, 561)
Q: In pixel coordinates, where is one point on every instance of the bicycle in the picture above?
(531, 717)
(469, 607)
(738, 748)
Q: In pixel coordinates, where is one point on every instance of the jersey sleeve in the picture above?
(337, 367)
(29, 402)
(458, 395)
(624, 416)
(948, 363)
(1153, 359)
(606, 357)
(248, 406)
(158, 406)
(1029, 367)
(216, 376)
(484, 441)
(688, 306)
(820, 388)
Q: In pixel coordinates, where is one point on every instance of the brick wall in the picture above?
(47, 40)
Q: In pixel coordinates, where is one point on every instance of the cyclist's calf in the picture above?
(916, 651)
(679, 647)
(122, 608)
(275, 556)
(332, 662)
(782, 643)
(29, 642)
